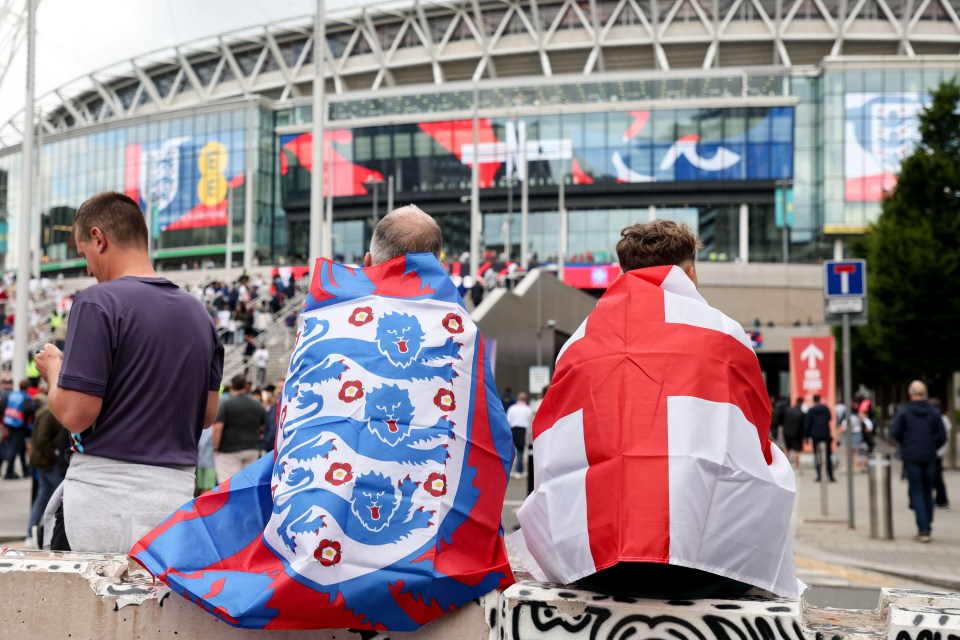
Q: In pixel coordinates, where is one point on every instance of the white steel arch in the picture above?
(378, 46)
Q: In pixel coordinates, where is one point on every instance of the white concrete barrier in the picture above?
(107, 597)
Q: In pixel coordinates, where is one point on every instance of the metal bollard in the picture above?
(881, 505)
(824, 475)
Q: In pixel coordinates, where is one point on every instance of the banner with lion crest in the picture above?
(380, 508)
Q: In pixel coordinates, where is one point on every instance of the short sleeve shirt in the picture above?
(151, 352)
(242, 418)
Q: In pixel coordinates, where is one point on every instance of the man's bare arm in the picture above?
(74, 409)
(217, 433)
(213, 403)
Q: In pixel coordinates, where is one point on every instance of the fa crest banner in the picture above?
(652, 445)
(381, 507)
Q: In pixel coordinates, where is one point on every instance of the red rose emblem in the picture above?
(436, 484)
(328, 553)
(361, 316)
(453, 323)
(351, 390)
(445, 400)
(338, 474)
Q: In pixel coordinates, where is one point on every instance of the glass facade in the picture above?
(694, 149)
(870, 123)
(187, 173)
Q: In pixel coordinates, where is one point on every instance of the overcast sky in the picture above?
(75, 37)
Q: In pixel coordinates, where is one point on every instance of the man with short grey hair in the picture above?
(405, 230)
(918, 429)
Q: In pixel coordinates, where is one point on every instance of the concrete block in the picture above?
(80, 596)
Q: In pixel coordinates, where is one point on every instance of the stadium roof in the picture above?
(372, 47)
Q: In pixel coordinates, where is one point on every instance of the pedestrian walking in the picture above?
(261, 358)
(237, 430)
(50, 442)
(918, 429)
(137, 382)
(520, 417)
(17, 418)
(793, 431)
(816, 429)
(939, 488)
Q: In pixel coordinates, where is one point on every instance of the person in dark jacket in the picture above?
(793, 432)
(50, 443)
(816, 428)
(918, 430)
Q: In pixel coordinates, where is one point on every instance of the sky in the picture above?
(76, 37)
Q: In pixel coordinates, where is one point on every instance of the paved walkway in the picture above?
(825, 542)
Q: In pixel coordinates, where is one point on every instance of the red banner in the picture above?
(812, 370)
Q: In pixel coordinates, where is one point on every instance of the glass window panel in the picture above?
(381, 146)
(422, 145)
(402, 144)
(363, 148)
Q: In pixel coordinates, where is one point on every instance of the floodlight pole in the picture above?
(21, 325)
(319, 240)
(476, 225)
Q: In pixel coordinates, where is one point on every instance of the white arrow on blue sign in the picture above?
(845, 278)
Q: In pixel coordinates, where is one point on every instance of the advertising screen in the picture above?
(881, 130)
(668, 145)
(186, 180)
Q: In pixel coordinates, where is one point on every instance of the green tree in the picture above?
(913, 254)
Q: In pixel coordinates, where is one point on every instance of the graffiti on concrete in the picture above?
(540, 611)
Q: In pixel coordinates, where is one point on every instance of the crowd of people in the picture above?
(918, 428)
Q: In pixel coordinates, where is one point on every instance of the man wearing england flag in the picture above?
(654, 473)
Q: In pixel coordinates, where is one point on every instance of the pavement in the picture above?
(829, 554)
(828, 550)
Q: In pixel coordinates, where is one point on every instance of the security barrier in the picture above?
(73, 595)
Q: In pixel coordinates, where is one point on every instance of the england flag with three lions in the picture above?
(381, 506)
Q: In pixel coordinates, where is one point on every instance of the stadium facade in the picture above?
(770, 126)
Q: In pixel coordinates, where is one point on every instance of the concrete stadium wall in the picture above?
(71, 595)
(510, 317)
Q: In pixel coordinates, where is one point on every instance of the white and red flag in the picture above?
(652, 446)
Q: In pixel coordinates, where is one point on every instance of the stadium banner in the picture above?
(668, 145)
(881, 130)
(186, 180)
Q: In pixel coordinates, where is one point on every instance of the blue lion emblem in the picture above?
(389, 413)
(386, 433)
(398, 354)
(399, 338)
(374, 503)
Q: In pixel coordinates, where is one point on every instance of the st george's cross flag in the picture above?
(381, 507)
(652, 445)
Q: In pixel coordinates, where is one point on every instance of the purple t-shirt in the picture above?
(151, 352)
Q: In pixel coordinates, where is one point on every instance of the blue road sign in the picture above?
(845, 278)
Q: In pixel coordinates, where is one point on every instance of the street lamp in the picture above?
(375, 182)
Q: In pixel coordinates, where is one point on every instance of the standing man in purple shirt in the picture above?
(137, 382)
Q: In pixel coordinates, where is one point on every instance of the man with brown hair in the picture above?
(657, 243)
(135, 434)
(652, 450)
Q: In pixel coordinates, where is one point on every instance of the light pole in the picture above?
(562, 206)
(375, 182)
(476, 224)
(319, 231)
(21, 326)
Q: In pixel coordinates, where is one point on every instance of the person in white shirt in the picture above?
(520, 417)
(262, 359)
